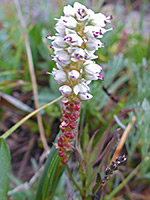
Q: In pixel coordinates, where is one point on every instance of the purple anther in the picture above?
(105, 22)
(47, 36)
(50, 46)
(78, 56)
(51, 59)
(100, 32)
(95, 35)
(113, 28)
(111, 17)
(101, 77)
(50, 55)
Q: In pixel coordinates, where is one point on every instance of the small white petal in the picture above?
(98, 19)
(76, 89)
(81, 88)
(85, 96)
(65, 90)
(93, 44)
(69, 11)
(69, 22)
(82, 13)
(74, 74)
(59, 75)
(93, 69)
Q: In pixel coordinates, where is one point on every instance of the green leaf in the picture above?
(4, 169)
(50, 176)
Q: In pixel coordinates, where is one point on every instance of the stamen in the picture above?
(78, 56)
(48, 73)
(101, 77)
(47, 36)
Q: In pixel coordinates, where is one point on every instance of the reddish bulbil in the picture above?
(61, 153)
(70, 112)
(73, 125)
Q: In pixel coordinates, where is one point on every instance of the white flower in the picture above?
(93, 44)
(90, 54)
(77, 53)
(92, 70)
(94, 31)
(69, 22)
(74, 74)
(72, 38)
(69, 11)
(82, 13)
(81, 88)
(85, 96)
(59, 75)
(60, 27)
(62, 57)
(91, 67)
(99, 19)
(59, 43)
(65, 90)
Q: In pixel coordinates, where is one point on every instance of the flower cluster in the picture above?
(78, 37)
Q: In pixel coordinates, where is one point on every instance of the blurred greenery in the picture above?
(126, 68)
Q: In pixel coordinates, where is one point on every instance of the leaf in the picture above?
(4, 169)
(50, 176)
(15, 102)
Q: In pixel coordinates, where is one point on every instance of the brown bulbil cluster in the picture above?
(68, 126)
(113, 167)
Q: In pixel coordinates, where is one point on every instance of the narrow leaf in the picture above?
(4, 169)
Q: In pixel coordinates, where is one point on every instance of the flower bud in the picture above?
(65, 90)
(61, 153)
(59, 75)
(81, 88)
(73, 125)
(69, 11)
(85, 96)
(74, 74)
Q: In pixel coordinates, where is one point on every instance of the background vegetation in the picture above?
(123, 94)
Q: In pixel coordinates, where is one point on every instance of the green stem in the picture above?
(72, 179)
(128, 5)
(117, 189)
(12, 129)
